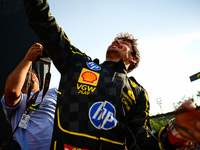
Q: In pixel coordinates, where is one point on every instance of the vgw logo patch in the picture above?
(87, 81)
(102, 115)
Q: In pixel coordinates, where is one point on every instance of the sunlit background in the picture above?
(168, 34)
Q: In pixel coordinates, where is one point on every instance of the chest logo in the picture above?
(93, 66)
(102, 115)
(88, 77)
(130, 93)
(133, 84)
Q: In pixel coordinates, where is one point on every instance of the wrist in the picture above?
(174, 136)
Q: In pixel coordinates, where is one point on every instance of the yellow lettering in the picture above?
(91, 88)
(133, 84)
(83, 92)
(78, 86)
(84, 87)
(127, 107)
(79, 92)
(130, 93)
(127, 98)
(75, 148)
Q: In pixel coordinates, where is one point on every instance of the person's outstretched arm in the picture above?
(51, 35)
(16, 79)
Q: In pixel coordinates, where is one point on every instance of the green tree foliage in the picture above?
(155, 126)
(176, 105)
(160, 122)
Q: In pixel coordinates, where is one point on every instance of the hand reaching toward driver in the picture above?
(189, 120)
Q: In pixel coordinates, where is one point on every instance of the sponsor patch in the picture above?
(85, 89)
(93, 66)
(69, 147)
(130, 93)
(133, 84)
(102, 115)
(88, 77)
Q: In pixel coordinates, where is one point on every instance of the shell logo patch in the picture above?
(89, 77)
(102, 115)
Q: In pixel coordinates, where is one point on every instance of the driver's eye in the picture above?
(124, 42)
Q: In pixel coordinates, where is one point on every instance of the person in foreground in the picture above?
(37, 133)
(98, 103)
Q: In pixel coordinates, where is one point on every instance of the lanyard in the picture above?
(31, 102)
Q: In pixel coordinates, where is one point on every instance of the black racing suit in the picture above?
(96, 102)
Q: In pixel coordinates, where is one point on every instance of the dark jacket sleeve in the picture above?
(53, 38)
(140, 133)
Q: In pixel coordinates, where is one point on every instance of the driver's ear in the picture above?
(133, 60)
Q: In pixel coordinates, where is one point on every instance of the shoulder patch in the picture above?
(93, 66)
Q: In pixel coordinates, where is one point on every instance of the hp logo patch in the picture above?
(102, 115)
(93, 66)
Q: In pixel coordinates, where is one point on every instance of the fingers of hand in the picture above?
(35, 51)
(188, 105)
(37, 45)
(196, 131)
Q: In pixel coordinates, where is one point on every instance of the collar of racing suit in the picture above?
(117, 66)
